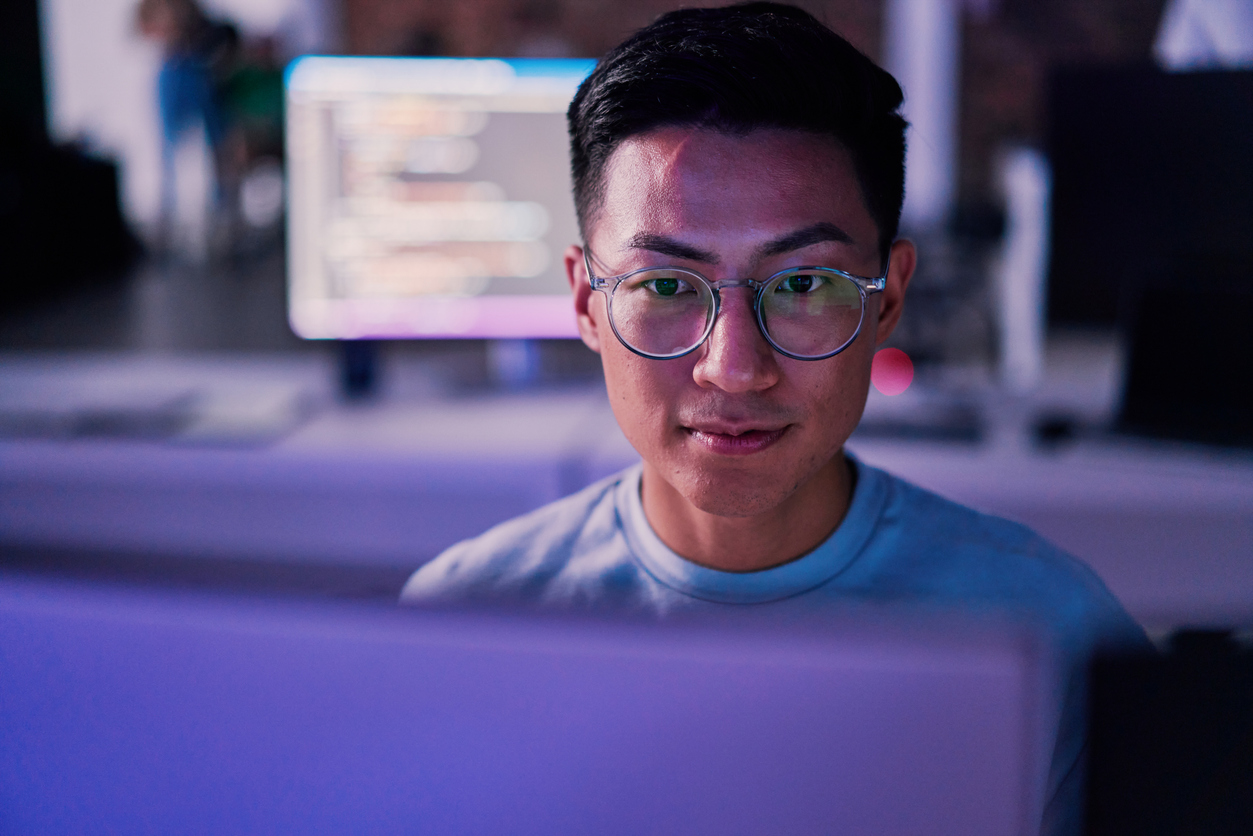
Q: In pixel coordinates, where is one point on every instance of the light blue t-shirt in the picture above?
(897, 544)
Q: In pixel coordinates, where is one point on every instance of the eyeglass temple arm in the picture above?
(596, 282)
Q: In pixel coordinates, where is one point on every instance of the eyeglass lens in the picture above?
(661, 312)
(811, 314)
(667, 312)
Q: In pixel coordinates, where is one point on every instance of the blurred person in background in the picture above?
(738, 176)
(252, 103)
(198, 58)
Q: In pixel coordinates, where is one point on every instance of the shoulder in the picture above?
(951, 551)
(521, 558)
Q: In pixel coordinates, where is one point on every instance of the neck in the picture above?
(789, 530)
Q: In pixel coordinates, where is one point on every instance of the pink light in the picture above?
(891, 371)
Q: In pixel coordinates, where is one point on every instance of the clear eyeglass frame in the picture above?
(609, 284)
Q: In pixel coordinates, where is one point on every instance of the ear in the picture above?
(576, 274)
(892, 299)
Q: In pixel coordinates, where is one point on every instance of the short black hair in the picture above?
(737, 69)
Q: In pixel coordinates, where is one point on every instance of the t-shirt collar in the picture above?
(826, 561)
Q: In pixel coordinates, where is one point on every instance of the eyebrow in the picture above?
(801, 238)
(816, 234)
(662, 245)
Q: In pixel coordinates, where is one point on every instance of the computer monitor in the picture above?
(429, 197)
(1152, 185)
(148, 711)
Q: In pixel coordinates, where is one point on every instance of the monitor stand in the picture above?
(358, 369)
(514, 363)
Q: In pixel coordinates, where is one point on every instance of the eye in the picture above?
(668, 287)
(800, 283)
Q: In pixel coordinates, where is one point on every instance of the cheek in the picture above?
(837, 390)
(852, 365)
(641, 392)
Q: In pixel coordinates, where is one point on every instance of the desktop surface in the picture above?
(249, 459)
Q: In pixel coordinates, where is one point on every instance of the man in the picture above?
(738, 175)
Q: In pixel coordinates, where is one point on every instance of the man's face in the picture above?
(735, 427)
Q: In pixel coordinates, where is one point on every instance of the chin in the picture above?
(747, 504)
(731, 494)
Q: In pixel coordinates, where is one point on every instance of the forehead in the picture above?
(710, 187)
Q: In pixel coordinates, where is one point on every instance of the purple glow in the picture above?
(144, 712)
(547, 316)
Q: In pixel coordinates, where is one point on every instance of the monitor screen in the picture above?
(429, 197)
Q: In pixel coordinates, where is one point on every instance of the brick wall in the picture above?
(1009, 47)
(506, 27)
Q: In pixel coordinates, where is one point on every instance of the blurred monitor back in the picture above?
(429, 197)
(1189, 361)
(1153, 232)
(138, 711)
(1153, 184)
(1171, 743)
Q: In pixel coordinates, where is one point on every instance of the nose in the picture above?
(736, 358)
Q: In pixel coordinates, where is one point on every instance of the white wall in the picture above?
(101, 77)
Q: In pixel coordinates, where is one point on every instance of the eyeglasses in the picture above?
(806, 313)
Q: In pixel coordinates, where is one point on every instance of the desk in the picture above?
(392, 483)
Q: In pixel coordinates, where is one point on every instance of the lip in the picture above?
(735, 443)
